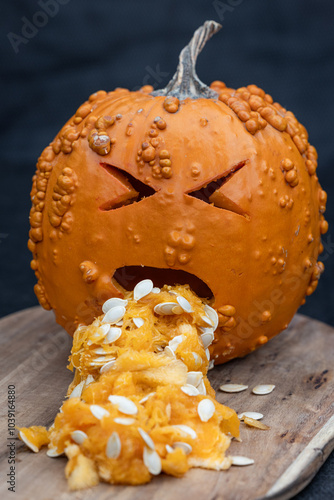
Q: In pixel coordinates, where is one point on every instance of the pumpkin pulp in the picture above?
(140, 402)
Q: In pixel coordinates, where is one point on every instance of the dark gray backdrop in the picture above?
(56, 52)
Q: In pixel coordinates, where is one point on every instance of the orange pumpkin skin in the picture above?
(255, 243)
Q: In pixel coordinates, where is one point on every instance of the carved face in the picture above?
(188, 197)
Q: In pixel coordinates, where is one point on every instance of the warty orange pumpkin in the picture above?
(208, 186)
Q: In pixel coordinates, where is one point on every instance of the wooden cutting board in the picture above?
(300, 410)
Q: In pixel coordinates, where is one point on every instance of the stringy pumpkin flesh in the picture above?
(113, 447)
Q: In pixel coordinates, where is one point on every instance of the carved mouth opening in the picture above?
(128, 276)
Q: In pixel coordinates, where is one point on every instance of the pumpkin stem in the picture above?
(185, 83)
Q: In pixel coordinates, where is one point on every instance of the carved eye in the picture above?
(212, 194)
(126, 189)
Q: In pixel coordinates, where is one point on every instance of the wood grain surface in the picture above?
(300, 362)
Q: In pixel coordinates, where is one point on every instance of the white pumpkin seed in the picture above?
(261, 390)
(211, 364)
(142, 289)
(146, 438)
(239, 460)
(251, 414)
(77, 391)
(207, 339)
(169, 352)
(124, 405)
(207, 321)
(114, 334)
(197, 358)
(145, 398)
(119, 323)
(79, 436)
(212, 315)
(114, 446)
(190, 390)
(176, 341)
(81, 328)
(100, 350)
(164, 308)
(124, 421)
(184, 446)
(99, 412)
(152, 461)
(156, 290)
(185, 304)
(206, 409)
(207, 354)
(138, 322)
(186, 429)
(194, 378)
(113, 302)
(89, 379)
(53, 453)
(26, 441)
(205, 329)
(169, 448)
(105, 368)
(113, 315)
(233, 387)
(177, 310)
(104, 328)
(100, 360)
(238, 439)
(201, 388)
